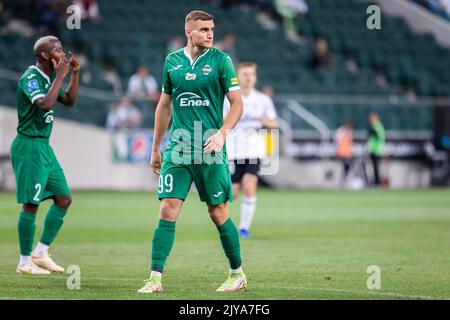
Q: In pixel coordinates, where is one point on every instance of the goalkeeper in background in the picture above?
(375, 144)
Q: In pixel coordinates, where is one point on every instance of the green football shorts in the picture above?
(38, 173)
(213, 181)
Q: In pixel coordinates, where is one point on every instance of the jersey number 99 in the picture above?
(165, 183)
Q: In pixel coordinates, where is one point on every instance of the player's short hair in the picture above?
(198, 15)
(247, 64)
(42, 44)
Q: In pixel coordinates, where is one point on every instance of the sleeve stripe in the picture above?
(234, 88)
(37, 97)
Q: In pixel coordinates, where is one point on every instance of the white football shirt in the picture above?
(245, 141)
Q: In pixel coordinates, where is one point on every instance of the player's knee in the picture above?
(249, 190)
(169, 210)
(218, 213)
(63, 202)
(31, 208)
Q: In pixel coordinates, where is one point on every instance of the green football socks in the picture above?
(26, 229)
(53, 222)
(229, 238)
(162, 243)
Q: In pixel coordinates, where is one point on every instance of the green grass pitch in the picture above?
(304, 245)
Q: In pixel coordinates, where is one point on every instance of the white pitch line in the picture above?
(359, 292)
(393, 294)
(369, 292)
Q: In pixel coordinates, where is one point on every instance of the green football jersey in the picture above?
(33, 121)
(198, 88)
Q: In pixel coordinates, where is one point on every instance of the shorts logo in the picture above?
(32, 85)
(217, 194)
(189, 99)
(190, 76)
(206, 69)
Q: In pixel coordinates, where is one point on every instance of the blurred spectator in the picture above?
(228, 45)
(289, 9)
(50, 14)
(321, 58)
(375, 144)
(89, 9)
(351, 65)
(143, 85)
(174, 44)
(4, 20)
(111, 76)
(124, 116)
(268, 90)
(344, 147)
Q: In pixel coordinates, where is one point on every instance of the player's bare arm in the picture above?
(70, 95)
(216, 141)
(163, 114)
(271, 124)
(48, 102)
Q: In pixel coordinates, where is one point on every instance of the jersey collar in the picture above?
(41, 72)
(193, 62)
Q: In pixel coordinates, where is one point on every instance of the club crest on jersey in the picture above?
(190, 76)
(206, 69)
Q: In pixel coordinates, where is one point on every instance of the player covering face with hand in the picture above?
(195, 81)
(38, 173)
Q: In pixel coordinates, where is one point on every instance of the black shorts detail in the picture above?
(240, 167)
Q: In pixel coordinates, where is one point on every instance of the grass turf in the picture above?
(304, 245)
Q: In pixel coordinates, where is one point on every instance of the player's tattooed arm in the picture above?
(49, 100)
(163, 114)
(217, 140)
(70, 95)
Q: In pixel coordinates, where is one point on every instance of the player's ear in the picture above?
(45, 55)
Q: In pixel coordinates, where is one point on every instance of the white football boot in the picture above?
(44, 261)
(31, 269)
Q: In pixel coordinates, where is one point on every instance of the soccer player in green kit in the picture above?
(38, 173)
(195, 81)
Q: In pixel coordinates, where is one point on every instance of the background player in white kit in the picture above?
(245, 145)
